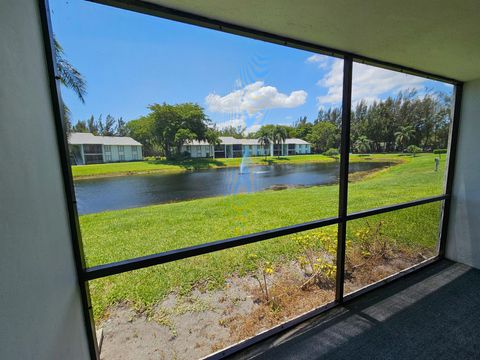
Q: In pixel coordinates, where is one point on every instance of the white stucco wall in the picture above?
(198, 151)
(127, 151)
(40, 307)
(463, 242)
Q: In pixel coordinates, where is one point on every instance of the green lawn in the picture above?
(151, 166)
(116, 235)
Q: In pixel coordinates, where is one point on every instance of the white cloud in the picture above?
(254, 98)
(320, 60)
(236, 122)
(369, 83)
(252, 128)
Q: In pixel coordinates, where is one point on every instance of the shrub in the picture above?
(332, 152)
(439, 152)
(318, 257)
(413, 149)
(369, 248)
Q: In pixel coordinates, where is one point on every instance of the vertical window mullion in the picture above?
(76, 239)
(343, 185)
(451, 167)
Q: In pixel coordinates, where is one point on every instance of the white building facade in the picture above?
(86, 148)
(230, 147)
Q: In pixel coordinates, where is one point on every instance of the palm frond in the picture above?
(69, 76)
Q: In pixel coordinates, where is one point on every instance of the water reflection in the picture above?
(114, 193)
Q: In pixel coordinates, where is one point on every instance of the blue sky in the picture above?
(132, 60)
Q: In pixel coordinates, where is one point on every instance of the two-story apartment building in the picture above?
(86, 148)
(230, 147)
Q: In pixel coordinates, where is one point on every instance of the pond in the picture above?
(96, 195)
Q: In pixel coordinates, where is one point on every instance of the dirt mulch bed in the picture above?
(190, 327)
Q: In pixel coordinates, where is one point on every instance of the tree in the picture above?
(236, 132)
(332, 115)
(302, 128)
(141, 130)
(279, 136)
(324, 136)
(183, 136)
(107, 127)
(264, 141)
(121, 128)
(92, 125)
(71, 78)
(427, 115)
(212, 137)
(404, 135)
(80, 126)
(362, 144)
(413, 149)
(168, 120)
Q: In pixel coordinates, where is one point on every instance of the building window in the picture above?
(93, 158)
(135, 153)
(107, 148)
(121, 157)
(92, 149)
(121, 148)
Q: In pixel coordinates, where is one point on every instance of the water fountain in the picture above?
(245, 162)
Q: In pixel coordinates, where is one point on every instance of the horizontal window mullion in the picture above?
(114, 268)
(385, 209)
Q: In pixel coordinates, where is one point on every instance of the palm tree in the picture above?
(279, 135)
(403, 136)
(70, 78)
(362, 145)
(264, 141)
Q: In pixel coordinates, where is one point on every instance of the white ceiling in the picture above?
(437, 36)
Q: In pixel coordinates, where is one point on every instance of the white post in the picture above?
(82, 154)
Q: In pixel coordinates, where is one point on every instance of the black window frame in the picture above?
(85, 274)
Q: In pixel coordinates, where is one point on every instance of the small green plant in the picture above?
(264, 269)
(318, 254)
(413, 149)
(373, 243)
